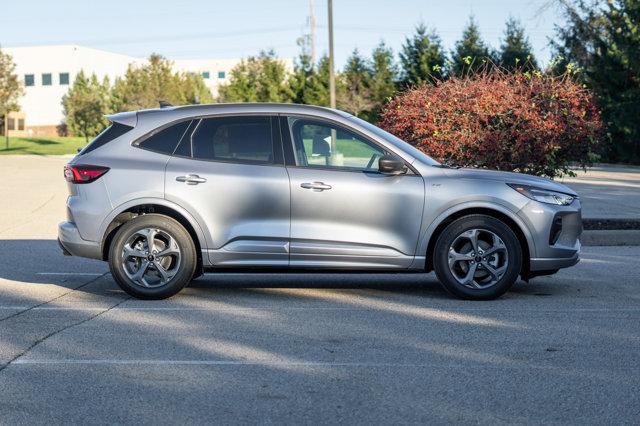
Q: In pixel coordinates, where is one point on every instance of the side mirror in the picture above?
(391, 165)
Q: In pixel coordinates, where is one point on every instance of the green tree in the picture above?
(470, 53)
(422, 58)
(515, 51)
(602, 41)
(384, 77)
(85, 105)
(356, 95)
(261, 78)
(10, 88)
(144, 86)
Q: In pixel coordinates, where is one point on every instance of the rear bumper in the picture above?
(71, 242)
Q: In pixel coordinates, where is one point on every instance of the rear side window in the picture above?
(109, 134)
(237, 139)
(165, 140)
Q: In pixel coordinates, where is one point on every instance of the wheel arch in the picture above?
(516, 225)
(135, 208)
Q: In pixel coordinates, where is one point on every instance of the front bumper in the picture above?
(555, 246)
(71, 242)
(552, 264)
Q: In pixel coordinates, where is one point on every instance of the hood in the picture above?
(510, 177)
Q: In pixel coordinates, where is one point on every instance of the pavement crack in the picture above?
(56, 332)
(54, 299)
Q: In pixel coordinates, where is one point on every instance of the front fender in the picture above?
(430, 228)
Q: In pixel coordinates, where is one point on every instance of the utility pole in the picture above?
(332, 77)
(312, 30)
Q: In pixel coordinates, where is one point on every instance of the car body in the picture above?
(294, 186)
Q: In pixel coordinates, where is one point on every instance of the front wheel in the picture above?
(477, 257)
(152, 257)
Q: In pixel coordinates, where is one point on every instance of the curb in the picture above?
(611, 237)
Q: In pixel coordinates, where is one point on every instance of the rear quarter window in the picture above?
(112, 132)
(165, 140)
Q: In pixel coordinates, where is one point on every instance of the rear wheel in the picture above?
(152, 257)
(477, 257)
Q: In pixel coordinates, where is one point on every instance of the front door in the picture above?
(344, 213)
(229, 174)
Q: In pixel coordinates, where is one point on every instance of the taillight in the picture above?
(83, 173)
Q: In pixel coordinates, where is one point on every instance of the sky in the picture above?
(186, 29)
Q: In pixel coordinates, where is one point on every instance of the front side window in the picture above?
(64, 78)
(165, 140)
(29, 80)
(46, 79)
(237, 139)
(321, 144)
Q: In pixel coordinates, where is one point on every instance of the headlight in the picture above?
(543, 195)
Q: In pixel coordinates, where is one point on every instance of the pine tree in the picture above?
(470, 53)
(357, 94)
(85, 105)
(384, 76)
(600, 43)
(516, 51)
(422, 58)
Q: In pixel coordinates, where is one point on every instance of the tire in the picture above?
(497, 260)
(164, 275)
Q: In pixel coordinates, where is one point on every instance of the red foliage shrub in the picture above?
(530, 123)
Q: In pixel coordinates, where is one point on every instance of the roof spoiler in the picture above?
(129, 118)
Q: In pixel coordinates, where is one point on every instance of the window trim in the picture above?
(276, 137)
(290, 144)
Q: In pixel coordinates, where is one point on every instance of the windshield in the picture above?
(409, 149)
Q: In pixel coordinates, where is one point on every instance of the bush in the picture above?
(529, 123)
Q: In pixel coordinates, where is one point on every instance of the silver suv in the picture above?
(167, 194)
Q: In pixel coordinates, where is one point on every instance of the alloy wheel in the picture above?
(150, 257)
(478, 258)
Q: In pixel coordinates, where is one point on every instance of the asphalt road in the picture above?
(303, 349)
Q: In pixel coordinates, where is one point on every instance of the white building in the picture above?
(46, 73)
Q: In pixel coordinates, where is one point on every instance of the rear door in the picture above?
(344, 213)
(229, 174)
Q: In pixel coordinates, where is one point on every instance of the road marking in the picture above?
(309, 308)
(267, 363)
(91, 274)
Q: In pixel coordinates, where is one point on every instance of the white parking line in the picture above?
(311, 308)
(90, 274)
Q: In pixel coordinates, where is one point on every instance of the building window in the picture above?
(64, 78)
(205, 75)
(221, 74)
(46, 79)
(11, 123)
(29, 80)
(20, 123)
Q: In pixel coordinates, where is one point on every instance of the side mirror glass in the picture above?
(391, 165)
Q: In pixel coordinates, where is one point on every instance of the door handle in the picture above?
(316, 186)
(191, 179)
